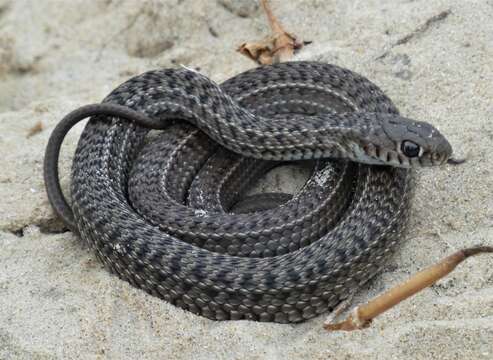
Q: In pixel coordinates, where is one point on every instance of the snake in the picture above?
(162, 178)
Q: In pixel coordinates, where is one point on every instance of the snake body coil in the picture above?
(163, 210)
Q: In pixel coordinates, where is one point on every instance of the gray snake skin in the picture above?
(166, 210)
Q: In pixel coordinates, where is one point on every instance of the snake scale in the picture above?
(162, 169)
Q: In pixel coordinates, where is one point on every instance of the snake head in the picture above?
(403, 142)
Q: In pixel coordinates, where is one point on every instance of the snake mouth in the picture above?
(434, 159)
(375, 154)
(379, 155)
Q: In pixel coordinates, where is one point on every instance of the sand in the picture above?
(56, 300)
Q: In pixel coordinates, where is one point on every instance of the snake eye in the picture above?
(410, 149)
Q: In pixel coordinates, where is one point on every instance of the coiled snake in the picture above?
(164, 210)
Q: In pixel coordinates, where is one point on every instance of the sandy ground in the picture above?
(56, 300)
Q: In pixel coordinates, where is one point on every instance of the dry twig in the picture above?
(362, 316)
(279, 47)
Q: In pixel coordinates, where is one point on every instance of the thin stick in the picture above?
(362, 315)
(275, 25)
